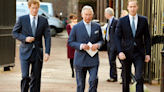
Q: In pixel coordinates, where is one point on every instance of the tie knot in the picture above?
(33, 18)
(133, 18)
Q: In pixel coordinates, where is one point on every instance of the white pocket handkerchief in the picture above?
(97, 31)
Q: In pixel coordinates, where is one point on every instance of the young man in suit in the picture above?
(133, 45)
(82, 33)
(29, 29)
(111, 43)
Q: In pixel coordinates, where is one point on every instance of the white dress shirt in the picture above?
(135, 20)
(36, 20)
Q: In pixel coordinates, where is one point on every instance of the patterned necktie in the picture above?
(133, 27)
(33, 26)
(107, 34)
(88, 29)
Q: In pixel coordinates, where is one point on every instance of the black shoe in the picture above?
(6, 68)
(111, 80)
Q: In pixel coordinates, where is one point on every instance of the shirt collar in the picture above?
(135, 17)
(87, 23)
(111, 18)
(36, 17)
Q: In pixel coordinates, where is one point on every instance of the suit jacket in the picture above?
(112, 42)
(125, 40)
(22, 29)
(78, 36)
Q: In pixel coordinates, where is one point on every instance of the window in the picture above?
(44, 7)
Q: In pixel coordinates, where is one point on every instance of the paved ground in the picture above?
(56, 73)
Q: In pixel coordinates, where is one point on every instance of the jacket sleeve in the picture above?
(147, 39)
(72, 39)
(47, 37)
(118, 36)
(16, 32)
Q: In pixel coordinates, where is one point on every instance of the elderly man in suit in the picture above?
(82, 33)
(29, 29)
(111, 43)
(133, 44)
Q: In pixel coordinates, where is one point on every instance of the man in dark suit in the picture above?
(82, 33)
(29, 29)
(133, 44)
(111, 43)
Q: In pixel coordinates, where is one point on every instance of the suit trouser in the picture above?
(34, 80)
(112, 61)
(138, 62)
(81, 76)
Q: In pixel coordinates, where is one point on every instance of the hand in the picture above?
(147, 58)
(121, 56)
(29, 39)
(94, 47)
(46, 57)
(85, 47)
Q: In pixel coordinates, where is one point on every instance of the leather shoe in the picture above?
(111, 80)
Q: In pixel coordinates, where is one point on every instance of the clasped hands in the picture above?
(122, 56)
(93, 48)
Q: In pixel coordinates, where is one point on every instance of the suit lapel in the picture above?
(38, 25)
(138, 25)
(29, 24)
(92, 29)
(84, 30)
(111, 24)
(129, 25)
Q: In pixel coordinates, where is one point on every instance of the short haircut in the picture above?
(73, 16)
(131, 1)
(109, 11)
(86, 7)
(33, 2)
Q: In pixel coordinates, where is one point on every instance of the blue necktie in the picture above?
(133, 27)
(33, 29)
(88, 29)
(33, 26)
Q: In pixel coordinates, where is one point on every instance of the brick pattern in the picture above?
(59, 6)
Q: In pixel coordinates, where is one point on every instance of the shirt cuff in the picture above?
(80, 46)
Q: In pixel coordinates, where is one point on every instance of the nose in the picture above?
(87, 16)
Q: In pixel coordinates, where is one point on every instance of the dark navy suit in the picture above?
(111, 49)
(28, 54)
(134, 53)
(82, 60)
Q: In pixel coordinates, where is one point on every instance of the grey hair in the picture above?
(110, 11)
(86, 7)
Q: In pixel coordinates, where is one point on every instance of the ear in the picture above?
(82, 15)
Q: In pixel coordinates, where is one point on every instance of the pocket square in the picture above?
(97, 31)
